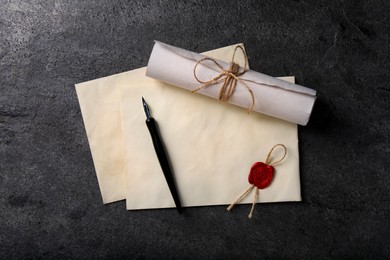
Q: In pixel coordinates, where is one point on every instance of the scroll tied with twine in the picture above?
(260, 177)
(229, 77)
(230, 82)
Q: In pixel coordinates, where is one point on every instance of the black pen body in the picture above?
(162, 158)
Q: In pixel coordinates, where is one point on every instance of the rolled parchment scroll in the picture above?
(270, 96)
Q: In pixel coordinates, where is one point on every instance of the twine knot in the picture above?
(234, 68)
(229, 78)
(230, 82)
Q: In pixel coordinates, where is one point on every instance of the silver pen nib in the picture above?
(146, 108)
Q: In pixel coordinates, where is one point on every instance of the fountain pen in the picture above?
(161, 154)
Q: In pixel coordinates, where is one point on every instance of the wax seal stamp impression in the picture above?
(261, 175)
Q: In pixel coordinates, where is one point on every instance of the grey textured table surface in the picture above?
(50, 205)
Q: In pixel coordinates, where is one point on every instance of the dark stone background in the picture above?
(50, 205)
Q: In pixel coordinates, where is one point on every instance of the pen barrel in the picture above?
(163, 159)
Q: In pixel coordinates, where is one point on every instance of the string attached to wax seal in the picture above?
(260, 176)
(229, 77)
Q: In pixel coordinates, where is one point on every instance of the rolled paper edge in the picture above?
(310, 112)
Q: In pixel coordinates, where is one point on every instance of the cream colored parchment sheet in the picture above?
(99, 101)
(211, 148)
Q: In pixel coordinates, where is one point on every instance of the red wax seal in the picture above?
(261, 175)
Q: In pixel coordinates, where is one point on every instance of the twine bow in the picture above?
(229, 77)
(247, 191)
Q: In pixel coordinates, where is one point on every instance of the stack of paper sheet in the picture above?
(211, 145)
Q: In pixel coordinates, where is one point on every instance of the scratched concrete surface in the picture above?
(50, 206)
